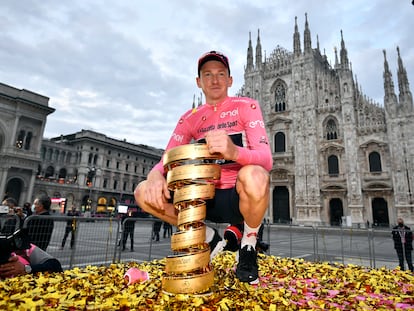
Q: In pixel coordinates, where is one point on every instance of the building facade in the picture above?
(338, 156)
(86, 169)
(22, 123)
(93, 172)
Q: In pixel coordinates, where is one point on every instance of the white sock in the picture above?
(209, 234)
(249, 236)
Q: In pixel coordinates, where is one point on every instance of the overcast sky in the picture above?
(127, 68)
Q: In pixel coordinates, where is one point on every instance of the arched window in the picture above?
(69, 158)
(62, 173)
(374, 162)
(331, 130)
(62, 157)
(333, 166)
(280, 142)
(49, 154)
(28, 140)
(56, 156)
(90, 158)
(50, 171)
(280, 97)
(43, 153)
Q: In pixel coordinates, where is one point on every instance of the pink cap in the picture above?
(134, 275)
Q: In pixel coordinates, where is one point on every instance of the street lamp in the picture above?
(89, 182)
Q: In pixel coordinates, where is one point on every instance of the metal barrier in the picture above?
(98, 241)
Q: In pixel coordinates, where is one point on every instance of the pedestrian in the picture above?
(70, 228)
(128, 230)
(167, 230)
(40, 228)
(403, 243)
(156, 228)
(234, 128)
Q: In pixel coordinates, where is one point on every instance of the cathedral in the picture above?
(339, 158)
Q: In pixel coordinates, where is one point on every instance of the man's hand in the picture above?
(156, 192)
(219, 142)
(12, 268)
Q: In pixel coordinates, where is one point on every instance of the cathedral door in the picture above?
(336, 212)
(380, 212)
(281, 209)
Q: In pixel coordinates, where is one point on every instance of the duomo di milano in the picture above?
(338, 156)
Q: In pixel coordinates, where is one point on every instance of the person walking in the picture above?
(128, 230)
(70, 228)
(156, 228)
(167, 230)
(403, 243)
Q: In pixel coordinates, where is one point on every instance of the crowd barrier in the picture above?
(98, 241)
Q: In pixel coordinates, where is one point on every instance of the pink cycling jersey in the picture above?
(242, 119)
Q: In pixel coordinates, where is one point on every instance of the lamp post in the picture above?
(89, 182)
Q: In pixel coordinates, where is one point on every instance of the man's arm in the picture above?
(257, 151)
(50, 265)
(41, 261)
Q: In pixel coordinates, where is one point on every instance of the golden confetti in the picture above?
(285, 284)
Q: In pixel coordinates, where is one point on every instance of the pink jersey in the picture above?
(242, 119)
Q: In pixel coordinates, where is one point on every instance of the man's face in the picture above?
(38, 208)
(214, 80)
(400, 222)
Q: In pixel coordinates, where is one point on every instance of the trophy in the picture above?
(191, 171)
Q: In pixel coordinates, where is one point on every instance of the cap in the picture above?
(213, 55)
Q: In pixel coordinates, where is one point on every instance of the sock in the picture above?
(249, 236)
(209, 234)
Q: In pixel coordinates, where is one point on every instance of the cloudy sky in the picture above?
(127, 68)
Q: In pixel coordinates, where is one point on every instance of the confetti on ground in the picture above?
(285, 284)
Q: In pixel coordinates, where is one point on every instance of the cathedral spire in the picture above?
(390, 99)
(200, 99)
(258, 51)
(296, 40)
(249, 66)
(405, 95)
(336, 57)
(317, 44)
(356, 86)
(344, 54)
(307, 42)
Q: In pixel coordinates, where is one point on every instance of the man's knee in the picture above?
(253, 178)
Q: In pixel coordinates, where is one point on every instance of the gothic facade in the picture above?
(338, 156)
